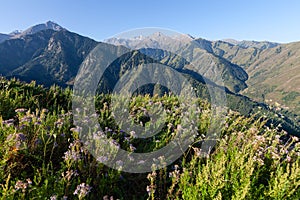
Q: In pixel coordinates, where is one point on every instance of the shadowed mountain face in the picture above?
(199, 54)
(4, 37)
(48, 56)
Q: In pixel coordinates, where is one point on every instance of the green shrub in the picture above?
(42, 156)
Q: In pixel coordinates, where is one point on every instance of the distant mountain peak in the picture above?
(251, 43)
(31, 30)
(40, 27)
(231, 41)
(16, 32)
(153, 40)
(158, 34)
(175, 36)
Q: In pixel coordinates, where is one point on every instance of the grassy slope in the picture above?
(250, 161)
(273, 72)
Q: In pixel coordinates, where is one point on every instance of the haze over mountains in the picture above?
(264, 71)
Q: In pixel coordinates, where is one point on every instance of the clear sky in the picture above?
(273, 20)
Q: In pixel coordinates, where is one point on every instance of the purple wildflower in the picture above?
(72, 155)
(82, 190)
(20, 110)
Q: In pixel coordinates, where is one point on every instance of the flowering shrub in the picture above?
(253, 163)
(42, 156)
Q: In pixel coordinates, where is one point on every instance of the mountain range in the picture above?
(255, 74)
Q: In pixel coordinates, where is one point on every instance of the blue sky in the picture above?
(273, 20)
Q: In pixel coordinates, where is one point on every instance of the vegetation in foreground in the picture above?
(42, 157)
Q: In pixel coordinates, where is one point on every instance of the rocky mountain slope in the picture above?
(51, 54)
(47, 56)
(198, 53)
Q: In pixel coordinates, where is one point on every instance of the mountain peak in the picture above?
(160, 40)
(158, 34)
(32, 30)
(231, 41)
(15, 32)
(174, 36)
(40, 27)
(251, 43)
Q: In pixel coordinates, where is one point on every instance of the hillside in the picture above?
(277, 73)
(273, 72)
